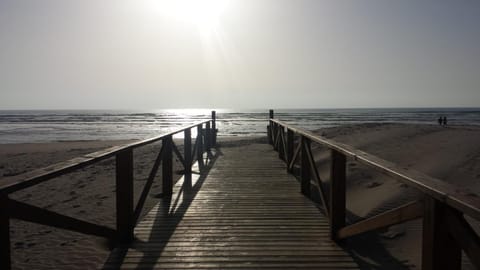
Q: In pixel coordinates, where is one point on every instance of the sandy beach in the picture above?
(448, 153)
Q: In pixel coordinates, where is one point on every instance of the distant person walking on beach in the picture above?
(440, 121)
(444, 121)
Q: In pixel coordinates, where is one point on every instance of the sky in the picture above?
(158, 54)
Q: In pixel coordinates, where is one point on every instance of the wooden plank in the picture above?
(398, 215)
(337, 192)
(464, 235)
(244, 213)
(5, 256)
(439, 248)
(124, 195)
(23, 211)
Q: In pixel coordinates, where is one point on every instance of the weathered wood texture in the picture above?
(246, 212)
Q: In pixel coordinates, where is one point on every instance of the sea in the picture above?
(32, 126)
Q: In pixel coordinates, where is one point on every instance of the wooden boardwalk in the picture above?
(243, 212)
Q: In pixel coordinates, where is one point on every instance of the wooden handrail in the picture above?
(127, 213)
(445, 231)
(35, 177)
(450, 194)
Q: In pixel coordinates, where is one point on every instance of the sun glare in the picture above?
(204, 14)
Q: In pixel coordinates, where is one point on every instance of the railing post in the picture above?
(187, 151)
(439, 249)
(214, 128)
(208, 136)
(290, 147)
(305, 167)
(281, 148)
(124, 193)
(5, 257)
(200, 147)
(269, 128)
(337, 193)
(275, 135)
(167, 166)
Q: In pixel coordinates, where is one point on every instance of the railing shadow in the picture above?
(170, 214)
(367, 249)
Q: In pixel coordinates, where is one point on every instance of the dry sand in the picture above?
(451, 154)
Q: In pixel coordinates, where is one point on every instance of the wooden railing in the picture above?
(126, 214)
(443, 207)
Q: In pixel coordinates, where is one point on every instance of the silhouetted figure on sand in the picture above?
(444, 121)
(440, 121)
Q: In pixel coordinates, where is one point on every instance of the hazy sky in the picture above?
(116, 54)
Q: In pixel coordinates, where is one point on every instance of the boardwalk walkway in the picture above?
(243, 212)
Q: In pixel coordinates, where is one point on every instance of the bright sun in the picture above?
(205, 14)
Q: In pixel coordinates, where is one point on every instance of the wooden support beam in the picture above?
(281, 143)
(304, 167)
(398, 215)
(276, 139)
(464, 235)
(270, 128)
(208, 137)
(194, 149)
(5, 256)
(214, 129)
(167, 167)
(200, 147)
(295, 156)
(187, 151)
(178, 154)
(439, 249)
(124, 195)
(290, 147)
(30, 213)
(316, 175)
(148, 185)
(337, 193)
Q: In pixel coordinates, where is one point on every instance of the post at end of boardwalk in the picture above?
(269, 128)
